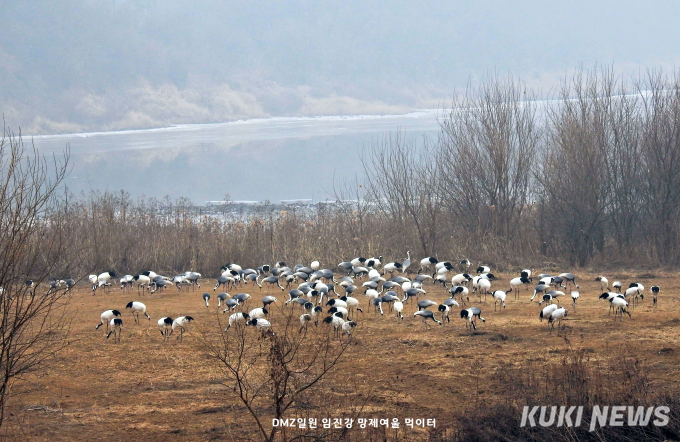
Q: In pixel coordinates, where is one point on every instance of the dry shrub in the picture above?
(575, 377)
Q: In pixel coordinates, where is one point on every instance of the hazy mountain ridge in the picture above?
(83, 65)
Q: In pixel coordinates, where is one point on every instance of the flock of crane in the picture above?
(313, 284)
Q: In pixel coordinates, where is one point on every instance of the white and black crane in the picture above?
(655, 294)
(136, 308)
(235, 319)
(470, 314)
(604, 283)
(106, 317)
(516, 283)
(556, 317)
(165, 327)
(115, 328)
(427, 265)
(499, 296)
(181, 323)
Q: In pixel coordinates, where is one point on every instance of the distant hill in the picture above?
(83, 65)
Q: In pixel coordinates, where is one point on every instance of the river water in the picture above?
(272, 158)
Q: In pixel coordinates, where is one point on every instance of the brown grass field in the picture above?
(145, 389)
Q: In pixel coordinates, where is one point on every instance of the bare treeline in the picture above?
(130, 236)
(592, 174)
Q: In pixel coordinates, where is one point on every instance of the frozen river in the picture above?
(273, 158)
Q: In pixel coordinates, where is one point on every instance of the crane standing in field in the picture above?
(655, 293)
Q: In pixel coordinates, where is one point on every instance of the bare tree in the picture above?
(661, 165)
(572, 171)
(34, 320)
(272, 373)
(619, 134)
(402, 183)
(488, 141)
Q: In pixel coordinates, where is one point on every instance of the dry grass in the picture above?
(149, 390)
